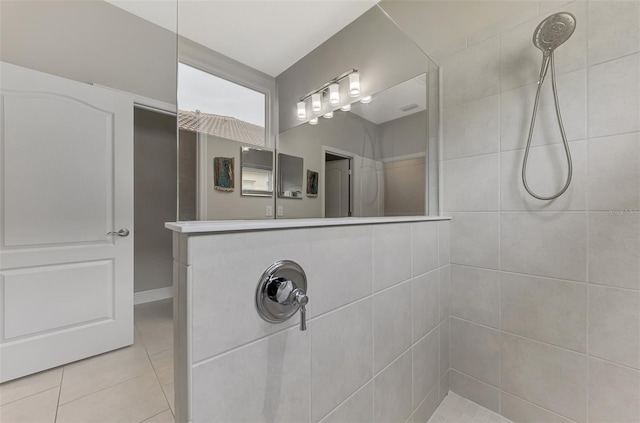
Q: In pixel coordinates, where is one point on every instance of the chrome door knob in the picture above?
(122, 232)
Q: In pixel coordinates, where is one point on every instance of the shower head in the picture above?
(553, 31)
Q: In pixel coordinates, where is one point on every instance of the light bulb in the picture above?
(302, 110)
(328, 115)
(313, 121)
(354, 84)
(366, 100)
(346, 107)
(316, 102)
(334, 94)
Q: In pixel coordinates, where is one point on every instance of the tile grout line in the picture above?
(587, 215)
(55, 419)
(500, 223)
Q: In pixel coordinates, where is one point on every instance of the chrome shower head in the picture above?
(553, 31)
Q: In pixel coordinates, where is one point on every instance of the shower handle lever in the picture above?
(285, 292)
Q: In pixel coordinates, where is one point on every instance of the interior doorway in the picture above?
(338, 172)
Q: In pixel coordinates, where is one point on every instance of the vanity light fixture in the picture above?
(354, 84)
(366, 100)
(316, 102)
(302, 110)
(313, 121)
(329, 91)
(328, 115)
(334, 94)
(346, 107)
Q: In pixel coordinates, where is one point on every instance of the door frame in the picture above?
(352, 177)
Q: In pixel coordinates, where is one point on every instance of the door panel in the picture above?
(337, 188)
(47, 298)
(66, 179)
(45, 200)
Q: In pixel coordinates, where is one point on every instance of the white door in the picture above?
(336, 181)
(66, 179)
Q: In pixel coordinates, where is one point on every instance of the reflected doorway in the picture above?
(338, 185)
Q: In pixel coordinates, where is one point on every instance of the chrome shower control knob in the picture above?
(302, 299)
(281, 292)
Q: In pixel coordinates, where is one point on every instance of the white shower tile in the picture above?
(445, 292)
(348, 249)
(475, 239)
(614, 97)
(239, 258)
(614, 325)
(424, 247)
(614, 29)
(471, 184)
(357, 409)
(426, 371)
(545, 244)
(267, 380)
(544, 309)
(391, 324)
(444, 346)
(451, 49)
(443, 385)
(351, 329)
(425, 303)
(475, 295)
(516, 107)
(471, 128)
(519, 410)
(474, 390)
(444, 242)
(392, 391)
(520, 59)
(614, 393)
(547, 172)
(614, 248)
(614, 172)
(475, 351)
(426, 409)
(542, 374)
(391, 254)
(471, 74)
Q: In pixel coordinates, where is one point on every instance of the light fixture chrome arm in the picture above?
(326, 85)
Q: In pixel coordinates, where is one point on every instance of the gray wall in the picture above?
(546, 294)
(222, 205)
(373, 44)
(154, 198)
(92, 42)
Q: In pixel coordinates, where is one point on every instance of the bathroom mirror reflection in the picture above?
(371, 159)
(257, 172)
(290, 170)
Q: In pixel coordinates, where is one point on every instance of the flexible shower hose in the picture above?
(546, 62)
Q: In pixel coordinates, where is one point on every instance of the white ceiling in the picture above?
(267, 35)
(388, 104)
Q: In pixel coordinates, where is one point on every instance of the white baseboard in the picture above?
(152, 295)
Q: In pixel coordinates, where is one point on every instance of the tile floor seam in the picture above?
(55, 418)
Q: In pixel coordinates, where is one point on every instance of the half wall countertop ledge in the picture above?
(195, 227)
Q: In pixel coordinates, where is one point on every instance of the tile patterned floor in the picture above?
(456, 409)
(133, 384)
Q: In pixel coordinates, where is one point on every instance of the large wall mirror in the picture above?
(371, 152)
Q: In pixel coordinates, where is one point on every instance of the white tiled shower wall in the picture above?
(377, 344)
(545, 300)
